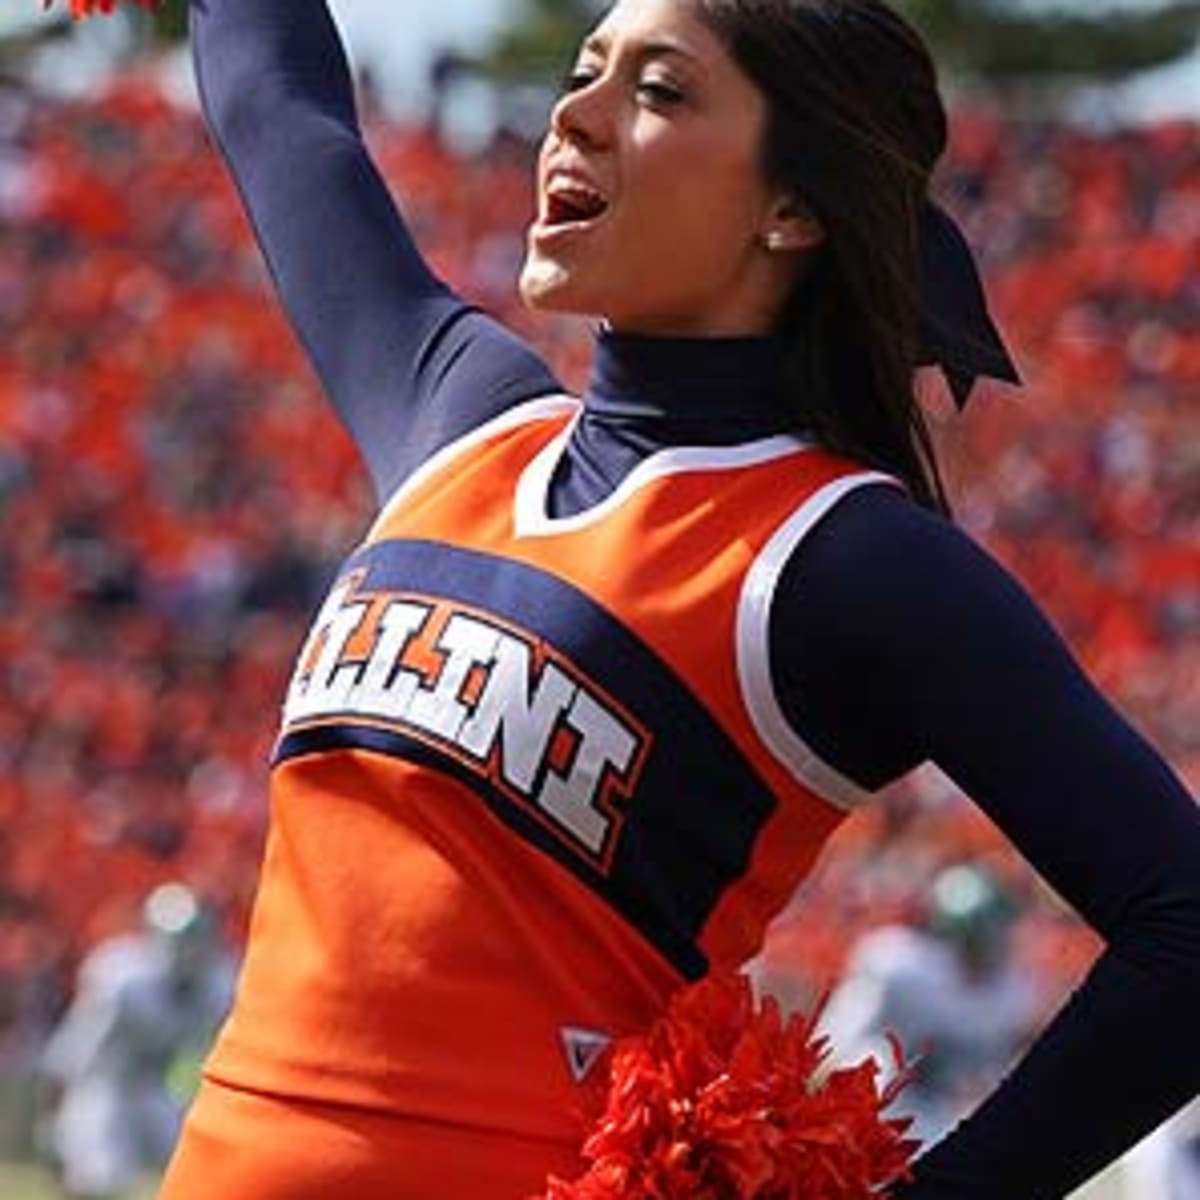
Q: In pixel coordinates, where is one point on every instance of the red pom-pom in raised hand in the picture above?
(85, 8)
(723, 1100)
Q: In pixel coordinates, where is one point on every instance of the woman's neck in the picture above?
(729, 387)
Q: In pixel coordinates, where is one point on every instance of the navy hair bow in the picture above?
(957, 331)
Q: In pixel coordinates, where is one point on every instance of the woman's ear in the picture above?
(791, 226)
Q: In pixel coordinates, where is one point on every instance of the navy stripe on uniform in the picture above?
(687, 830)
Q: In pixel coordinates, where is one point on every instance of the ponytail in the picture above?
(855, 126)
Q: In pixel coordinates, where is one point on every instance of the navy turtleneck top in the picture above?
(894, 639)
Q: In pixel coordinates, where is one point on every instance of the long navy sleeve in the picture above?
(951, 662)
(894, 639)
(406, 363)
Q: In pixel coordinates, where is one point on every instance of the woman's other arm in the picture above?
(895, 640)
(408, 364)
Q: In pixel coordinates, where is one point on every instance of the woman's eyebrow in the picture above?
(651, 48)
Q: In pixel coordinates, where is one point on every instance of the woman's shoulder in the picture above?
(887, 570)
(877, 528)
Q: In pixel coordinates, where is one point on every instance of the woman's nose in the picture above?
(584, 115)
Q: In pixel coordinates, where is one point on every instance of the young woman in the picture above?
(604, 675)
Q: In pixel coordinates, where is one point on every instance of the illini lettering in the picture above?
(490, 695)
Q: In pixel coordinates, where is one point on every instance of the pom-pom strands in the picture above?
(85, 8)
(722, 1100)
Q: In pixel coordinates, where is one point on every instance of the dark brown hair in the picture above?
(855, 127)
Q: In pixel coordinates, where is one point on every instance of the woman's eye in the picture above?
(660, 92)
(656, 90)
(577, 80)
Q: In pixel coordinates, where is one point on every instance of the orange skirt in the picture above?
(245, 1146)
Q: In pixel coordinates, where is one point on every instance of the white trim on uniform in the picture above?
(758, 591)
(541, 409)
(753, 646)
(533, 488)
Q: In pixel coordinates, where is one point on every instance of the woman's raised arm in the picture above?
(407, 363)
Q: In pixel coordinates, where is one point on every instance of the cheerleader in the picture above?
(606, 672)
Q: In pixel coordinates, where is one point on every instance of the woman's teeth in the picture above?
(571, 202)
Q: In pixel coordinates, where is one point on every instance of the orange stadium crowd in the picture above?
(174, 495)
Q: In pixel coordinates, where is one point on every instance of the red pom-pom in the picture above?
(725, 1100)
(85, 8)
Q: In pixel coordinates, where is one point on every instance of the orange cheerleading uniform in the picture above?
(532, 776)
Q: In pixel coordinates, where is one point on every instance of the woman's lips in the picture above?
(546, 233)
(570, 206)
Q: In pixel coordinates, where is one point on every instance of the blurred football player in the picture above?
(144, 1003)
(951, 993)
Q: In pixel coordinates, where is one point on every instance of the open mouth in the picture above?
(569, 202)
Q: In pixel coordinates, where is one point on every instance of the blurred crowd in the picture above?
(175, 495)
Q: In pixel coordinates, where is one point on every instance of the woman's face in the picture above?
(652, 209)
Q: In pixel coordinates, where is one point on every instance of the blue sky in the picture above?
(400, 46)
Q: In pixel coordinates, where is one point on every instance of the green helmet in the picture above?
(172, 909)
(969, 907)
(185, 927)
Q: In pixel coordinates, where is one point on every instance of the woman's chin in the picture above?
(547, 286)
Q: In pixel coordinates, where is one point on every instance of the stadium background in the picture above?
(168, 523)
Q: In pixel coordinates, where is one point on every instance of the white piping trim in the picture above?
(533, 488)
(541, 409)
(753, 647)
